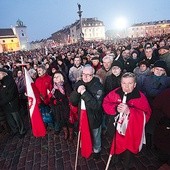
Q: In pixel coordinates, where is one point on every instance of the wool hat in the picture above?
(3, 70)
(95, 58)
(164, 47)
(161, 64)
(117, 63)
(143, 62)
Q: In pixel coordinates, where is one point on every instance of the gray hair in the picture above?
(129, 75)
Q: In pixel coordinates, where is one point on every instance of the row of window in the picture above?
(93, 24)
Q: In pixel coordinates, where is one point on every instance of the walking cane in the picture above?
(110, 156)
(79, 134)
(77, 151)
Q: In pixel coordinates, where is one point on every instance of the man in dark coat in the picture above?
(9, 102)
(161, 114)
(91, 91)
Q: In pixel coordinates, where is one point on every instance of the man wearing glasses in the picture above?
(91, 91)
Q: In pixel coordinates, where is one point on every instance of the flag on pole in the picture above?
(85, 140)
(38, 128)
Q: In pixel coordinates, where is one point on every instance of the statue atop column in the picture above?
(79, 7)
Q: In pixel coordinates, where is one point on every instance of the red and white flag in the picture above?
(86, 142)
(38, 127)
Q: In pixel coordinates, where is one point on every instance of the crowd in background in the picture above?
(57, 71)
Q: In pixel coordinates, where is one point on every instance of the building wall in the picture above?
(9, 44)
(149, 29)
(21, 33)
(94, 33)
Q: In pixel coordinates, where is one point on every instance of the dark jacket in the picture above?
(93, 97)
(111, 83)
(9, 96)
(161, 114)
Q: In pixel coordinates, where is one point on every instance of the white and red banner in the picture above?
(38, 127)
(86, 142)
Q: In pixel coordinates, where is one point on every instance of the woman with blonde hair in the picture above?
(60, 103)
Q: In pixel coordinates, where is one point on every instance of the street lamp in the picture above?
(80, 14)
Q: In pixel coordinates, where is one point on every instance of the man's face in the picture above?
(107, 64)
(77, 61)
(128, 84)
(148, 52)
(87, 75)
(158, 71)
(126, 54)
(41, 72)
(163, 51)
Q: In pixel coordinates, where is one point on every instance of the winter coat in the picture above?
(166, 57)
(139, 112)
(93, 97)
(9, 96)
(161, 114)
(112, 82)
(154, 85)
(60, 106)
(43, 84)
(102, 74)
(75, 73)
(20, 82)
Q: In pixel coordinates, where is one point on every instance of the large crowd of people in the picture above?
(101, 73)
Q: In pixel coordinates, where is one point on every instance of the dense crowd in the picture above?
(100, 74)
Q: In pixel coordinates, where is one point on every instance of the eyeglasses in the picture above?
(87, 75)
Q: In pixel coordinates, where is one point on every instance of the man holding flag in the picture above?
(133, 111)
(90, 91)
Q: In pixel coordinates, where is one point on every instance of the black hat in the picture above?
(95, 58)
(3, 70)
(164, 47)
(117, 63)
(144, 62)
(161, 64)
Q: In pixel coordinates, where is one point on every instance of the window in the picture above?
(22, 34)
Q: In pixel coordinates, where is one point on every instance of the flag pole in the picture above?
(77, 151)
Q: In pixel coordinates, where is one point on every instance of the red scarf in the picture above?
(58, 86)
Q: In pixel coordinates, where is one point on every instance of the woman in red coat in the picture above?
(138, 112)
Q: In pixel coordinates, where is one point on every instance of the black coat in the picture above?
(111, 83)
(93, 97)
(9, 96)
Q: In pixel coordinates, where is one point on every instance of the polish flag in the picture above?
(38, 127)
(85, 141)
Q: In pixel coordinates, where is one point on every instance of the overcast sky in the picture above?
(44, 17)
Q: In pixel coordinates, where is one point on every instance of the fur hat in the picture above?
(161, 64)
(164, 47)
(117, 63)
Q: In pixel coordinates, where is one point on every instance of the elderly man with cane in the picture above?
(131, 110)
(90, 90)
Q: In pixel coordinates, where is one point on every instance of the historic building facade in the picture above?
(92, 29)
(14, 39)
(156, 28)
